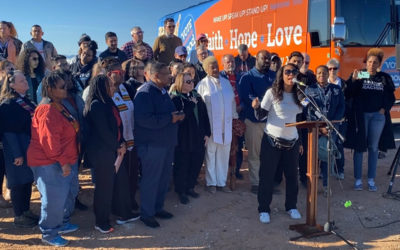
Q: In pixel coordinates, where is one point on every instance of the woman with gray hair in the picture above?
(218, 95)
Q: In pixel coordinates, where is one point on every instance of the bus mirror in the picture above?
(338, 29)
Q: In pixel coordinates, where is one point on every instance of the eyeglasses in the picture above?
(171, 26)
(334, 68)
(189, 81)
(118, 72)
(138, 33)
(293, 72)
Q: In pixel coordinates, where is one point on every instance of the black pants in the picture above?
(111, 193)
(303, 157)
(2, 170)
(133, 171)
(186, 169)
(21, 197)
(270, 158)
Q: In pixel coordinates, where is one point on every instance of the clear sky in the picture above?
(63, 22)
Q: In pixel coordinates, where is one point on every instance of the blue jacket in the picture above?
(254, 84)
(329, 99)
(153, 118)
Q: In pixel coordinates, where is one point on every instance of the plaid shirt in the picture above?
(128, 49)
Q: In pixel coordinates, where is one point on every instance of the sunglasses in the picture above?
(139, 32)
(171, 26)
(335, 68)
(189, 81)
(35, 58)
(118, 72)
(291, 71)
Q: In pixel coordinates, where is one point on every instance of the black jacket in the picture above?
(191, 130)
(200, 72)
(102, 138)
(355, 134)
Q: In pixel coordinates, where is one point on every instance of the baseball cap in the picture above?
(181, 50)
(200, 36)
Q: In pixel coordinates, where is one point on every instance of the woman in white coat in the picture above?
(218, 95)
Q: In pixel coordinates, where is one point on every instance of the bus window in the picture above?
(365, 21)
(319, 19)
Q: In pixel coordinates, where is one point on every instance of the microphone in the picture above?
(299, 83)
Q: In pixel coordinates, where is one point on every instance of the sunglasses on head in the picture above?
(291, 71)
(334, 68)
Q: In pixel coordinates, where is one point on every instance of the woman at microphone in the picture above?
(280, 145)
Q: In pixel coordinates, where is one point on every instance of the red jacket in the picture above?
(53, 138)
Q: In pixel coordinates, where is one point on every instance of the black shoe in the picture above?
(239, 176)
(31, 215)
(164, 215)
(150, 222)
(192, 193)
(79, 205)
(183, 198)
(24, 222)
(254, 189)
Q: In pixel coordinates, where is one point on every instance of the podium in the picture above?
(310, 228)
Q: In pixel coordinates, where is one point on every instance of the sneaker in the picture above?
(68, 228)
(239, 176)
(264, 218)
(24, 222)
(183, 199)
(254, 189)
(133, 217)
(192, 193)
(372, 188)
(164, 215)
(211, 189)
(224, 189)
(150, 222)
(340, 176)
(358, 187)
(57, 241)
(294, 214)
(31, 215)
(104, 231)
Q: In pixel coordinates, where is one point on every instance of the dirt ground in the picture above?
(230, 220)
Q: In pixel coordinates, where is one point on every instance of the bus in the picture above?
(324, 29)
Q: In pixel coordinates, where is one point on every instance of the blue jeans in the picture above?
(374, 123)
(58, 195)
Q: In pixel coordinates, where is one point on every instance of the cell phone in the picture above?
(363, 75)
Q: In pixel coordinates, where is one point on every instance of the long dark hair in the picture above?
(23, 62)
(99, 87)
(278, 85)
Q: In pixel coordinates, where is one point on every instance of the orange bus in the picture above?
(325, 29)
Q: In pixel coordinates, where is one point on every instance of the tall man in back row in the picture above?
(165, 45)
(254, 84)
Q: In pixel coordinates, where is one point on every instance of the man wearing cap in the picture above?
(45, 48)
(164, 46)
(244, 61)
(201, 40)
(180, 54)
(137, 38)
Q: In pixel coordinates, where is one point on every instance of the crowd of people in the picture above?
(140, 115)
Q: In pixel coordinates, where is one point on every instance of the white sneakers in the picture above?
(294, 214)
(264, 218)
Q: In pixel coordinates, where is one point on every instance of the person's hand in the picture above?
(255, 103)
(66, 169)
(301, 150)
(355, 74)
(122, 149)
(19, 161)
(177, 117)
(382, 111)
(206, 140)
(323, 131)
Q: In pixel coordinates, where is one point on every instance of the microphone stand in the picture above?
(329, 225)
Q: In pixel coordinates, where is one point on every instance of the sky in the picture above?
(63, 22)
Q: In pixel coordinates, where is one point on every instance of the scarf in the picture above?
(30, 107)
(124, 104)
